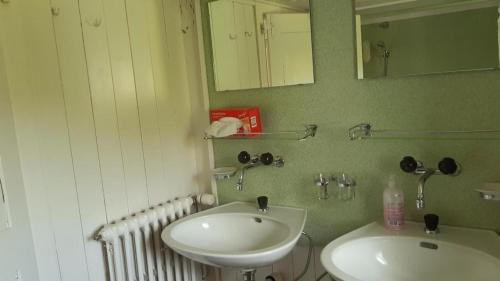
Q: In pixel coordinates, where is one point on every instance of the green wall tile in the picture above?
(338, 101)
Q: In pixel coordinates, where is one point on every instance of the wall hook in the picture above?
(95, 23)
(55, 11)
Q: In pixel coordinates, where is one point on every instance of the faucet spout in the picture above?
(426, 174)
(253, 164)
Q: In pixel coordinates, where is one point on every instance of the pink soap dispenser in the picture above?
(394, 211)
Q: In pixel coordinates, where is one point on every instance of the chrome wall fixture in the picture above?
(345, 186)
(366, 131)
(249, 162)
(448, 166)
(302, 134)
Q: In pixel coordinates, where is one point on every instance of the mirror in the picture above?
(260, 43)
(414, 37)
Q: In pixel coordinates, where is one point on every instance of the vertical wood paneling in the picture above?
(126, 103)
(17, 64)
(147, 102)
(147, 98)
(174, 101)
(196, 70)
(54, 145)
(103, 104)
(17, 241)
(81, 128)
(106, 126)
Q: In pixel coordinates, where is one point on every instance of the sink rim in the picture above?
(176, 245)
(484, 242)
(294, 221)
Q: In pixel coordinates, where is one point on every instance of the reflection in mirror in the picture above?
(415, 37)
(261, 43)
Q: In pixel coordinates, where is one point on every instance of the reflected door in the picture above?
(234, 45)
(290, 59)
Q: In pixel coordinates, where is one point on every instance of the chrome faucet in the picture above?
(447, 166)
(255, 162)
(265, 159)
(425, 175)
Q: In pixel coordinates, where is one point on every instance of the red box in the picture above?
(249, 116)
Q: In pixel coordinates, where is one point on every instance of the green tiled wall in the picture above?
(338, 101)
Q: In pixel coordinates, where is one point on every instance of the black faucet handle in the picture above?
(262, 201)
(408, 164)
(448, 166)
(267, 158)
(431, 222)
(244, 157)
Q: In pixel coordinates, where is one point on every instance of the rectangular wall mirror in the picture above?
(414, 37)
(260, 43)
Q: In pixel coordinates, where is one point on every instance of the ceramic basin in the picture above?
(372, 253)
(237, 235)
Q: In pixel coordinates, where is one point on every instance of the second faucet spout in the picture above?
(426, 174)
(253, 164)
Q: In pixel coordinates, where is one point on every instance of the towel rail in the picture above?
(366, 131)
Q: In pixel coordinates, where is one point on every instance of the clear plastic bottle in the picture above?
(394, 211)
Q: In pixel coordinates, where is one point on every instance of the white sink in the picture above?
(372, 253)
(237, 235)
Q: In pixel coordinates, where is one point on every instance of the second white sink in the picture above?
(372, 253)
(237, 235)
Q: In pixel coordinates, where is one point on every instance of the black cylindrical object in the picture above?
(431, 222)
(244, 157)
(262, 201)
(267, 158)
(408, 164)
(448, 166)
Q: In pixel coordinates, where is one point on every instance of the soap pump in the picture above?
(394, 214)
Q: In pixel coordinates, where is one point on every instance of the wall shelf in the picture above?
(366, 131)
(299, 135)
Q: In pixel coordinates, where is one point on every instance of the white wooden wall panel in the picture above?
(174, 101)
(147, 103)
(16, 242)
(81, 128)
(54, 147)
(103, 104)
(107, 127)
(17, 64)
(126, 103)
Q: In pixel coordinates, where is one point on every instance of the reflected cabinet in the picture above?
(258, 44)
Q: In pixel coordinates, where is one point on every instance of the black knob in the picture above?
(431, 222)
(244, 157)
(262, 201)
(408, 164)
(267, 158)
(448, 166)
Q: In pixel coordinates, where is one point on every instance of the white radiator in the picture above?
(134, 250)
